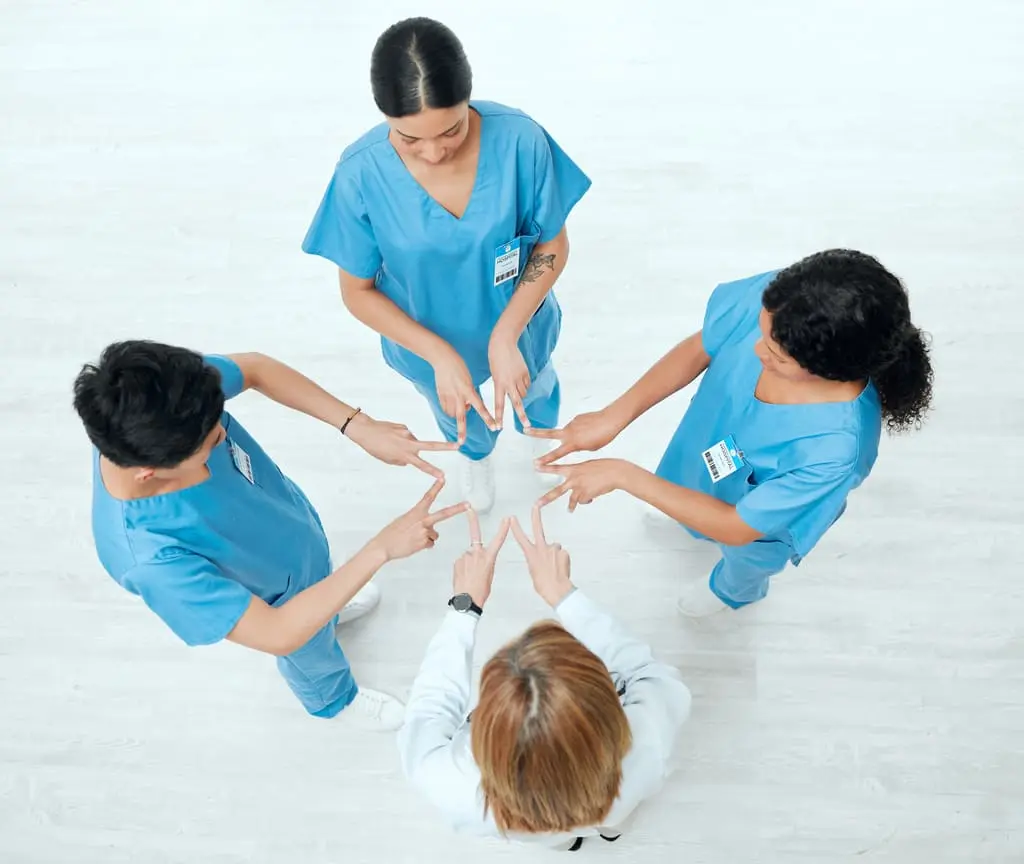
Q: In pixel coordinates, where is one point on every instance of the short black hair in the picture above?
(148, 405)
(416, 64)
(841, 315)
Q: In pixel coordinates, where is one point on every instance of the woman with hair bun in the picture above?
(802, 367)
(447, 224)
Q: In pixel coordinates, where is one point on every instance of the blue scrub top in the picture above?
(802, 461)
(376, 222)
(196, 556)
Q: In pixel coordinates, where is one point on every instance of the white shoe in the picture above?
(478, 483)
(697, 600)
(373, 711)
(365, 601)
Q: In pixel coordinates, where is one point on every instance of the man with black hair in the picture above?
(190, 514)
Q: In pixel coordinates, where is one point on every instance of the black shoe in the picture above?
(576, 845)
(611, 839)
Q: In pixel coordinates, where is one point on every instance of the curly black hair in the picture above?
(842, 316)
(148, 405)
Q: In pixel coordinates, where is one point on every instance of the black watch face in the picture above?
(462, 602)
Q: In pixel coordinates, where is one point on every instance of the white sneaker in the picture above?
(365, 600)
(373, 711)
(478, 483)
(697, 600)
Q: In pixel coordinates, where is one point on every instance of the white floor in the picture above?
(159, 164)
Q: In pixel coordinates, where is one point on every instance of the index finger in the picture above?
(437, 445)
(432, 493)
(460, 424)
(538, 526)
(534, 432)
(474, 527)
(499, 539)
(481, 409)
(556, 454)
(553, 495)
(445, 513)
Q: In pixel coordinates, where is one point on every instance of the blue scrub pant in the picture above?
(319, 674)
(743, 574)
(541, 404)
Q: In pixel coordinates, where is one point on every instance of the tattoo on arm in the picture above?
(536, 266)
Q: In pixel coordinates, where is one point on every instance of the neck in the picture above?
(810, 391)
(122, 483)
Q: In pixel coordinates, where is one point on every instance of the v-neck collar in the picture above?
(473, 193)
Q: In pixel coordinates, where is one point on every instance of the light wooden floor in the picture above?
(159, 164)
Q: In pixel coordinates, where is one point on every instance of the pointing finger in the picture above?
(538, 526)
(426, 467)
(534, 432)
(520, 535)
(499, 539)
(445, 513)
(437, 445)
(553, 495)
(474, 526)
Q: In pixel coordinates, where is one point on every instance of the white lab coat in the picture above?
(434, 743)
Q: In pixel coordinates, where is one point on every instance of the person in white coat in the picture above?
(575, 723)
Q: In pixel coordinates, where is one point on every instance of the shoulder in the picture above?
(743, 293)
(513, 124)
(361, 156)
(364, 147)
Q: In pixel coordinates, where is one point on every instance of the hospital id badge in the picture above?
(723, 459)
(506, 262)
(242, 461)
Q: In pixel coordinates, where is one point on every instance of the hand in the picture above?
(394, 444)
(414, 531)
(586, 480)
(548, 563)
(456, 393)
(511, 378)
(588, 432)
(474, 570)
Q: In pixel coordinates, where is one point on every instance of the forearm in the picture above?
(380, 314)
(676, 370)
(542, 270)
(439, 700)
(291, 388)
(305, 614)
(706, 515)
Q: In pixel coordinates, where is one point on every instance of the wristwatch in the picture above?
(464, 603)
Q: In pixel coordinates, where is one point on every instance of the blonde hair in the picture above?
(548, 734)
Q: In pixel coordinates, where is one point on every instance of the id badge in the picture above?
(242, 461)
(506, 262)
(723, 459)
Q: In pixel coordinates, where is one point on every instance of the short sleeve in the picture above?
(341, 231)
(191, 596)
(559, 184)
(232, 380)
(801, 503)
(733, 311)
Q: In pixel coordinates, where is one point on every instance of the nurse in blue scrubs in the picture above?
(191, 515)
(802, 368)
(447, 224)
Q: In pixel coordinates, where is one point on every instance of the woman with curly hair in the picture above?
(801, 369)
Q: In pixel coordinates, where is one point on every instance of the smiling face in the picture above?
(772, 355)
(433, 136)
